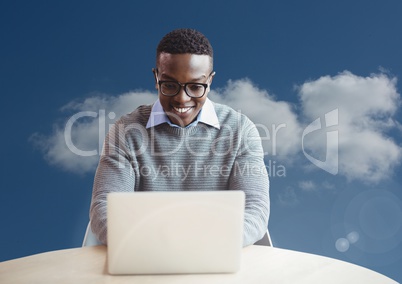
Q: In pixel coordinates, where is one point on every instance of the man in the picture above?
(184, 141)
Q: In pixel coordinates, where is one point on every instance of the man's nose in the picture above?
(182, 97)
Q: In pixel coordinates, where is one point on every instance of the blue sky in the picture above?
(283, 63)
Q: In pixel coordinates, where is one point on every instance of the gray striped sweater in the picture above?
(199, 157)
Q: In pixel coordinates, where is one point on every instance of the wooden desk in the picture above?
(260, 264)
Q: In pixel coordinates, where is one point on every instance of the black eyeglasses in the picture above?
(171, 88)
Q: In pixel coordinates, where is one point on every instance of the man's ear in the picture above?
(155, 72)
(212, 76)
(210, 79)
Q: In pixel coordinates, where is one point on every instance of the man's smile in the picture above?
(182, 110)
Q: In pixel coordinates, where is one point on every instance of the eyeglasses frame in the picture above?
(182, 85)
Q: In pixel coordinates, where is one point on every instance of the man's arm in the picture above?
(250, 175)
(114, 174)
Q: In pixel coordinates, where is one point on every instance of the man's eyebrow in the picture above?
(167, 77)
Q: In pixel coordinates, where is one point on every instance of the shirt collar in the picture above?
(207, 116)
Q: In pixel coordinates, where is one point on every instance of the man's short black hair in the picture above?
(182, 41)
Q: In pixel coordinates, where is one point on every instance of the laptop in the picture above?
(175, 232)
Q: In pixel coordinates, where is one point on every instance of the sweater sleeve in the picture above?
(250, 175)
(114, 174)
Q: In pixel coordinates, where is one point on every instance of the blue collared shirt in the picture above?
(207, 115)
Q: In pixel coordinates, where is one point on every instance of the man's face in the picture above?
(184, 68)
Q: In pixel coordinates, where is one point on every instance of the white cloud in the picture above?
(288, 197)
(327, 185)
(366, 107)
(307, 185)
(276, 120)
(95, 114)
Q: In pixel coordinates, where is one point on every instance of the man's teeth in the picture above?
(181, 109)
